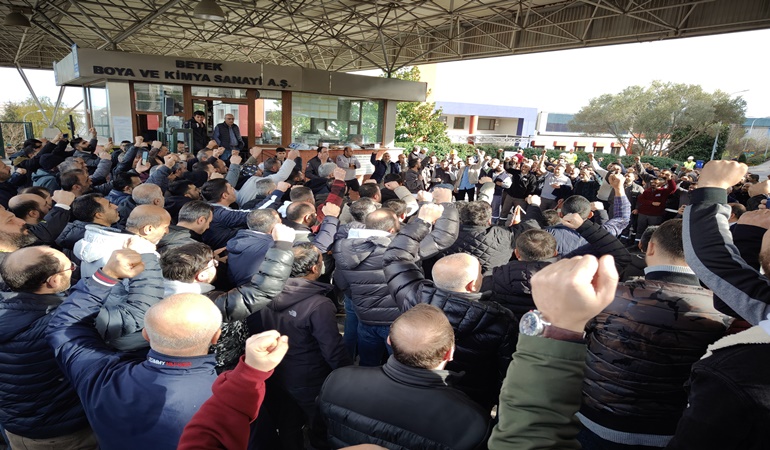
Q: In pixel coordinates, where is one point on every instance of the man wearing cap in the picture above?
(689, 164)
(198, 126)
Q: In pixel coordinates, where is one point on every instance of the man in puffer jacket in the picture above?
(304, 313)
(484, 330)
(246, 251)
(359, 272)
(191, 268)
(36, 401)
(642, 346)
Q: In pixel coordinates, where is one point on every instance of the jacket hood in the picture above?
(357, 251)
(99, 242)
(297, 290)
(244, 239)
(40, 174)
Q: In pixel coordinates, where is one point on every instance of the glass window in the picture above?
(218, 92)
(268, 117)
(459, 123)
(100, 112)
(336, 120)
(486, 124)
(558, 122)
(149, 97)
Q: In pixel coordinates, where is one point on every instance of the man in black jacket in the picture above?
(307, 316)
(408, 402)
(191, 268)
(194, 219)
(54, 413)
(641, 348)
(198, 126)
(484, 330)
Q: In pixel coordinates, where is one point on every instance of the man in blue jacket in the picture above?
(130, 403)
(37, 403)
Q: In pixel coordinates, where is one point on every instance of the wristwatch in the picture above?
(533, 324)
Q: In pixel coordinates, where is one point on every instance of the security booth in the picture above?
(130, 94)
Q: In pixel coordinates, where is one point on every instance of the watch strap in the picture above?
(561, 334)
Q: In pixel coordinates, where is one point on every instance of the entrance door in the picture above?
(217, 109)
(147, 125)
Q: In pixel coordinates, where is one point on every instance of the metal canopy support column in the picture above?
(56, 108)
(31, 91)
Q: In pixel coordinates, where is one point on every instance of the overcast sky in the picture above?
(561, 81)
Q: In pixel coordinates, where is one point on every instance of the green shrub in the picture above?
(441, 150)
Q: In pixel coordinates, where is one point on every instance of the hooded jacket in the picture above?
(304, 313)
(97, 245)
(485, 332)
(36, 400)
(45, 179)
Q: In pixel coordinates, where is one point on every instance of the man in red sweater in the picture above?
(651, 204)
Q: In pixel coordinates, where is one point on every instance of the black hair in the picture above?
(85, 207)
(668, 238)
(576, 204)
(305, 258)
(536, 245)
(214, 189)
(476, 213)
(368, 190)
(183, 262)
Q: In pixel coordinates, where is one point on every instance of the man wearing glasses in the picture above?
(38, 276)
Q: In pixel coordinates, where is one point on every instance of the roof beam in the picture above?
(133, 29)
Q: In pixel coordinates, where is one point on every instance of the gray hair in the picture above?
(146, 194)
(326, 169)
(264, 187)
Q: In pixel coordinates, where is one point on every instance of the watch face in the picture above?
(531, 324)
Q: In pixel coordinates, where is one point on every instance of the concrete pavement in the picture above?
(763, 170)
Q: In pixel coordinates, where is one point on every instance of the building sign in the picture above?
(84, 66)
(98, 64)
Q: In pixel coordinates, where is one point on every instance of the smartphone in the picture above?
(65, 136)
(145, 156)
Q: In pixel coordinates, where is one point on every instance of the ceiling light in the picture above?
(208, 10)
(16, 19)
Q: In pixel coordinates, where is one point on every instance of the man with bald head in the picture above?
(485, 331)
(409, 401)
(30, 208)
(131, 403)
(38, 276)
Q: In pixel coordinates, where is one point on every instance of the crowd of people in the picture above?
(214, 299)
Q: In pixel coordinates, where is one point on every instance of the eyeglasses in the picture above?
(212, 263)
(73, 267)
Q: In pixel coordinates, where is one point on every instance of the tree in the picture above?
(700, 146)
(418, 121)
(17, 111)
(661, 118)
